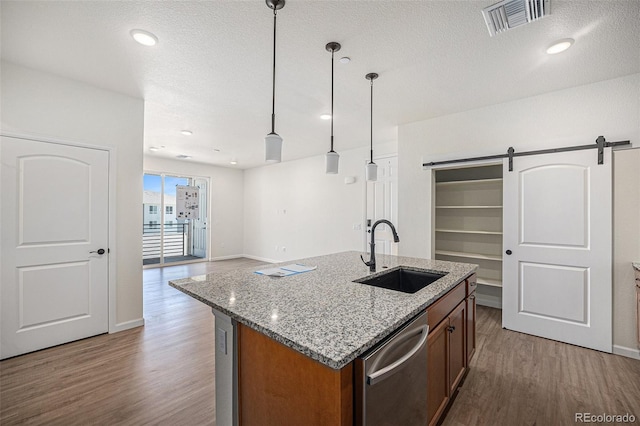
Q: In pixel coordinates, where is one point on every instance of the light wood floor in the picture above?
(162, 373)
(518, 379)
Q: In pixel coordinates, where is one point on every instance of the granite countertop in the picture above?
(636, 266)
(322, 313)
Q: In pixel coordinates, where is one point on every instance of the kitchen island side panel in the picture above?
(278, 385)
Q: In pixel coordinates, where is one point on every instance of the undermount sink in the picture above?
(402, 279)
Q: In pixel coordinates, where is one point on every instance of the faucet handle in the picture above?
(364, 261)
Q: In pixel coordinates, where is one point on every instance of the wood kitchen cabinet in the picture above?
(280, 386)
(437, 371)
(471, 316)
(450, 330)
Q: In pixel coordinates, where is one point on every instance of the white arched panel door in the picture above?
(54, 244)
(382, 203)
(557, 242)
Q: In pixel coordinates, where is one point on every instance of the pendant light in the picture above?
(273, 141)
(332, 157)
(372, 168)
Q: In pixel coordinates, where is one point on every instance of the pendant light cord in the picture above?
(372, 120)
(273, 94)
(332, 51)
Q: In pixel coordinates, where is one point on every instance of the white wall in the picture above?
(295, 210)
(575, 116)
(46, 106)
(226, 188)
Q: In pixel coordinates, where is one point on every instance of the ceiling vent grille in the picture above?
(509, 14)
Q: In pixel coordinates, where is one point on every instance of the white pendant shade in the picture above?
(273, 148)
(332, 159)
(372, 171)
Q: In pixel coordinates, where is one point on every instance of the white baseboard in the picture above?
(127, 325)
(261, 259)
(626, 352)
(231, 256)
(484, 300)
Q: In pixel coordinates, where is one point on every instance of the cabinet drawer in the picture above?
(441, 309)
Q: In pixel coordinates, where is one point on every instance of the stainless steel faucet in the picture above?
(372, 260)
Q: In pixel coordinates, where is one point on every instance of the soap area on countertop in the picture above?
(323, 313)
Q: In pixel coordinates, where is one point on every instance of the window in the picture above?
(153, 209)
(153, 224)
(169, 210)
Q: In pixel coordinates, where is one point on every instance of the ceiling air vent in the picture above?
(509, 14)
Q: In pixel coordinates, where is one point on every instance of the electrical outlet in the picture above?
(284, 248)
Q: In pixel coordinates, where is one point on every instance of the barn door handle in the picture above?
(509, 252)
(99, 251)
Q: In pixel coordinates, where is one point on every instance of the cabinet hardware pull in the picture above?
(451, 328)
(389, 370)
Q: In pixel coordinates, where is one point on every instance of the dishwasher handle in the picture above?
(387, 371)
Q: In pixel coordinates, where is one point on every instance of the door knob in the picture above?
(509, 252)
(99, 251)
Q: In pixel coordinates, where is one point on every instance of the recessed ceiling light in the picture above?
(234, 162)
(143, 37)
(186, 132)
(216, 150)
(345, 60)
(153, 148)
(560, 46)
(325, 116)
(183, 157)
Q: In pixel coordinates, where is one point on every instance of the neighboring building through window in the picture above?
(169, 209)
(153, 209)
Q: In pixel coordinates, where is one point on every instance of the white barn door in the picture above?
(54, 220)
(558, 229)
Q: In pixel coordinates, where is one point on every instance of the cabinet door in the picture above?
(471, 326)
(457, 346)
(438, 371)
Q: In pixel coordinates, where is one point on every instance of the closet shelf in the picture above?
(469, 255)
(468, 207)
(465, 231)
(488, 282)
(466, 182)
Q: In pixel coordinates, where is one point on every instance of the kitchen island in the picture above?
(310, 326)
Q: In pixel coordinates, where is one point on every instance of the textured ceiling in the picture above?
(211, 70)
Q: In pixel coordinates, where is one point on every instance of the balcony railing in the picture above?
(174, 243)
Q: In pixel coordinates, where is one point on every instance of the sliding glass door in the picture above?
(166, 237)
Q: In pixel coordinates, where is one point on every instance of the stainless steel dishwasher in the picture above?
(391, 379)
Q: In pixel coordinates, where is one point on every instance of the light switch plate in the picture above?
(221, 340)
